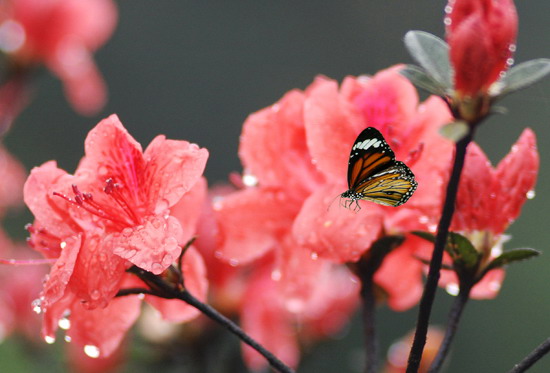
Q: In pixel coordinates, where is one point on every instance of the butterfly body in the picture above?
(374, 174)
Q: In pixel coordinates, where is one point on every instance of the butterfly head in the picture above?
(350, 197)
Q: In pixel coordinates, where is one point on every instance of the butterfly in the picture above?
(374, 174)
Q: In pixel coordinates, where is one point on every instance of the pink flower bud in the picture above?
(481, 36)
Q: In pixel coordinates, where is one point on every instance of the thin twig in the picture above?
(365, 269)
(452, 324)
(165, 290)
(428, 296)
(532, 358)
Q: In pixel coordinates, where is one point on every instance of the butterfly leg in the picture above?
(357, 206)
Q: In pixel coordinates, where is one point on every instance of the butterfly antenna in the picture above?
(339, 195)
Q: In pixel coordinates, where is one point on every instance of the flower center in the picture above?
(121, 212)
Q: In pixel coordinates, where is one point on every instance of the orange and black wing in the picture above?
(391, 187)
(369, 155)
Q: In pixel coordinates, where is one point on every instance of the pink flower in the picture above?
(61, 34)
(481, 36)
(295, 154)
(489, 200)
(114, 212)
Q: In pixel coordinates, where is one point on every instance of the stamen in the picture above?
(113, 189)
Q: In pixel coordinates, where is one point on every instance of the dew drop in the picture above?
(276, 275)
(275, 108)
(448, 9)
(423, 219)
(432, 227)
(447, 21)
(156, 267)
(509, 62)
(218, 254)
(67, 339)
(64, 323)
(92, 351)
(95, 294)
(63, 245)
(314, 256)
(233, 262)
(37, 306)
(167, 260)
(452, 289)
(530, 194)
(127, 254)
(141, 296)
(12, 36)
(249, 180)
(49, 339)
(512, 48)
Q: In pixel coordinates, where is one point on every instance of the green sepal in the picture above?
(455, 131)
(422, 80)
(521, 76)
(511, 256)
(432, 53)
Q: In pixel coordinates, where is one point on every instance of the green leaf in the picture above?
(432, 54)
(422, 80)
(463, 253)
(522, 76)
(455, 131)
(511, 256)
(425, 235)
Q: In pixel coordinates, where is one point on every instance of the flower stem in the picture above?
(365, 269)
(369, 322)
(532, 358)
(428, 296)
(162, 289)
(454, 318)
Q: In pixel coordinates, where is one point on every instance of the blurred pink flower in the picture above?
(481, 36)
(114, 212)
(61, 34)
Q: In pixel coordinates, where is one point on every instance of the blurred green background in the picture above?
(194, 70)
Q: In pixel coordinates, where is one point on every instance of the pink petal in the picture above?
(476, 195)
(332, 124)
(55, 312)
(172, 169)
(516, 175)
(38, 196)
(189, 209)
(388, 98)
(273, 146)
(152, 246)
(62, 271)
(334, 232)
(98, 272)
(111, 152)
(298, 274)
(252, 221)
(194, 274)
(264, 319)
(401, 274)
(103, 328)
(489, 286)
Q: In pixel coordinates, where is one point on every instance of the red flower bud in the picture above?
(481, 36)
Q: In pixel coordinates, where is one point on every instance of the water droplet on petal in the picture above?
(141, 296)
(92, 351)
(95, 294)
(294, 305)
(249, 180)
(512, 48)
(64, 323)
(509, 62)
(530, 194)
(233, 262)
(447, 21)
(49, 339)
(314, 256)
(67, 339)
(62, 245)
(37, 306)
(276, 275)
(448, 9)
(494, 285)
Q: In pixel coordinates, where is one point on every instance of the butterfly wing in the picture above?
(369, 155)
(391, 187)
